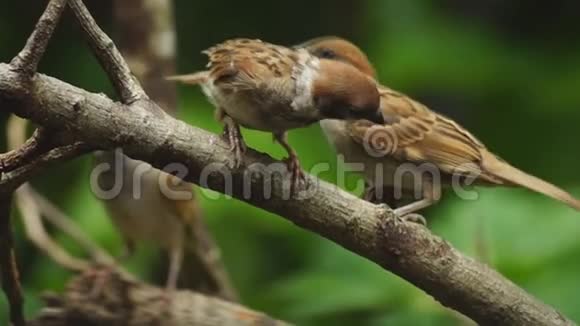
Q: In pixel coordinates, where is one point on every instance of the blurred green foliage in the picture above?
(509, 71)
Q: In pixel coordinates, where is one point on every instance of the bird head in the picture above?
(341, 91)
(338, 49)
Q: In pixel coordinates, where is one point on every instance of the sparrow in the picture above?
(415, 139)
(148, 205)
(273, 88)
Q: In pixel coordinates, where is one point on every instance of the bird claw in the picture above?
(414, 218)
(238, 147)
(298, 178)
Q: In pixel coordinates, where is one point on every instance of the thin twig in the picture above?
(22, 173)
(27, 60)
(64, 223)
(28, 157)
(110, 58)
(25, 152)
(33, 206)
(27, 205)
(8, 265)
(35, 231)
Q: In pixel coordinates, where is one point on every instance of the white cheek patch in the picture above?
(304, 74)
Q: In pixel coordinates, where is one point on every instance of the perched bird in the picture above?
(415, 148)
(148, 205)
(272, 88)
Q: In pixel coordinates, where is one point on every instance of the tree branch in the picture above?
(125, 302)
(58, 218)
(106, 52)
(36, 233)
(405, 249)
(32, 205)
(30, 159)
(27, 60)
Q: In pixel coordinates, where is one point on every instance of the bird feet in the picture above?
(407, 217)
(415, 218)
(234, 138)
(297, 177)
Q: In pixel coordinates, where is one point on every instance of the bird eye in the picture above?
(326, 53)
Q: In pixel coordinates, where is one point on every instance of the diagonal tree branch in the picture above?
(33, 206)
(58, 218)
(35, 231)
(371, 231)
(43, 147)
(123, 80)
(27, 60)
(26, 162)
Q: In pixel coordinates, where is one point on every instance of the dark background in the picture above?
(508, 71)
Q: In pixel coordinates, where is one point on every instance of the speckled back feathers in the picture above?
(240, 62)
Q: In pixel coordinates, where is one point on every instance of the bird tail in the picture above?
(515, 176)
(195, 78)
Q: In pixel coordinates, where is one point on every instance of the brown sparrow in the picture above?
(273, 88)
(139, 202)
(413, 140)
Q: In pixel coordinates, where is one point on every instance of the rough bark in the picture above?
(125, 302)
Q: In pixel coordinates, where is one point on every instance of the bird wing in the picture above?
(413, 133)
(245, 64)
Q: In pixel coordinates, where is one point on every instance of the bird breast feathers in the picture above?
(304, 74)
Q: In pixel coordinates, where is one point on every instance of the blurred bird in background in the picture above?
(149, 205)
(412, 133)
(272, 88)
(146, 204)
